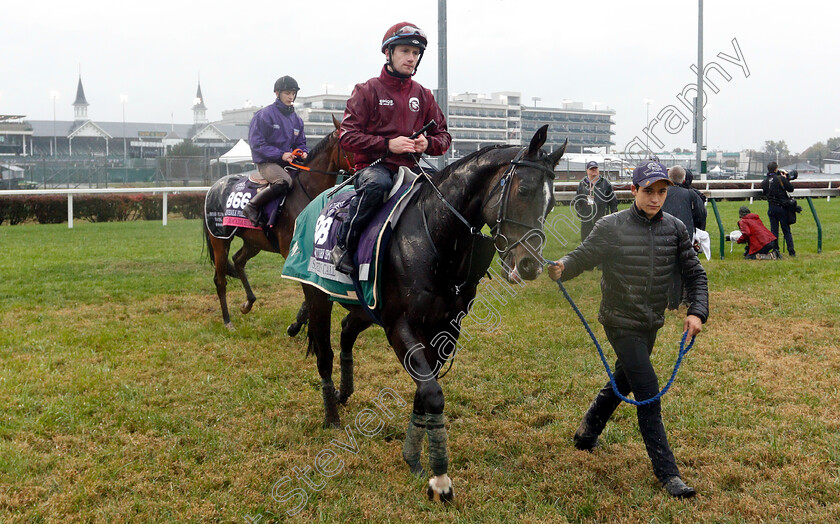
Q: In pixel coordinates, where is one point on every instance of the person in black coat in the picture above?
(776, 186)
(639, 248)
(686, 205)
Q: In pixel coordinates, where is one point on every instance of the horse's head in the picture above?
(525, 199)
(340, 157)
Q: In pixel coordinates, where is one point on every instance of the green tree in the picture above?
(777, 151)
(816, 153)
(184, 149)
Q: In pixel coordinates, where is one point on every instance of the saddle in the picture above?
(316, 229)
(227, 198)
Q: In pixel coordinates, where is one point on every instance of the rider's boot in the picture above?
(273, 191)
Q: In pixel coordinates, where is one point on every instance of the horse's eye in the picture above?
(525, 192)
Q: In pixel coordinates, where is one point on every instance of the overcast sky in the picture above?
(616, 53)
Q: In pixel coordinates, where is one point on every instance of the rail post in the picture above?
(817, 220)
(720, 227)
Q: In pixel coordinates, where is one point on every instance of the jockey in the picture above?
(274, 133)
(380, 117)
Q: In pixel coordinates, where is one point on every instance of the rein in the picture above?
(297, 153)
(683, 351)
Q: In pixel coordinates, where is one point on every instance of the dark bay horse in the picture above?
(323, 162)
(428, 282)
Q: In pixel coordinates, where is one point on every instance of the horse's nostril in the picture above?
(527, 265)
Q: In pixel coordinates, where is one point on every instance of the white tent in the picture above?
(241, 152)
(238, 154)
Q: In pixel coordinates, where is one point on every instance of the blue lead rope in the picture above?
(683, 351)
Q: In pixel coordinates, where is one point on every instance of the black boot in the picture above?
(677, 488)
(595, 419)
(273, 191)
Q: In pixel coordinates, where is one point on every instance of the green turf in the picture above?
(125, 399)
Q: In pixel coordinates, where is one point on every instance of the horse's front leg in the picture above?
(427, 414)
(245, 253)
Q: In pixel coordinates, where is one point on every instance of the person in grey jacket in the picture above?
(639, 248)
(594, 199)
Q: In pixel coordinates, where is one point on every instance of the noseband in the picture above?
(503, 244)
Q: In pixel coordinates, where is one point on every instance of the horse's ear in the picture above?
(336, 123)
(538, 140)
(558, 154)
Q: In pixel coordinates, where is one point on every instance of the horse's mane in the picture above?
(319, 147)
(448, 170)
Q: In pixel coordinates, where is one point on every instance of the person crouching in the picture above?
(759, 239)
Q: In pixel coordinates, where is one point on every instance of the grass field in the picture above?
(124, 399)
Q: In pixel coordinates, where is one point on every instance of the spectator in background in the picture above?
(775, 187)
(686, 206)
(594, 200)
(759, 240)
(689, 179)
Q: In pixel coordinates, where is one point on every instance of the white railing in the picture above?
(565, 191)
(94, 191)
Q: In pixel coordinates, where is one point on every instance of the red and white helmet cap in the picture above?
(404, 33)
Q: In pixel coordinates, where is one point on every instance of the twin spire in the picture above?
(81, 104)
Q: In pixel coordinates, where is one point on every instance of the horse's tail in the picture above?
(231, 270)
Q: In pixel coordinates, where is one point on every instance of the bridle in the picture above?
(502, 243)
(341, 154)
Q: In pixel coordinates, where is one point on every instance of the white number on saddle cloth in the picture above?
(238, 200)
(322, 229)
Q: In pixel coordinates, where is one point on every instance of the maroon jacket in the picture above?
(754, 232)
(388, 107)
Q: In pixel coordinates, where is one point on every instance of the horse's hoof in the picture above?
(229, 326)
(245, 308)
(341, 398)
(293, 329)
(440, 491)
(417, 470)
(335, 424)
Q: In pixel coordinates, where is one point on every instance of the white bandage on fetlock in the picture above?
(440, 489)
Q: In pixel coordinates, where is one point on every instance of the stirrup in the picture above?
(342, 260)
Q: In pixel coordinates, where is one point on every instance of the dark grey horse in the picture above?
(430, 275)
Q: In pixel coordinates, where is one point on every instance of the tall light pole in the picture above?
(647, 123)
(443, 70)
(124, 99)
(54, 95)
(698, 104)
(535, 100)
(706, 127)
